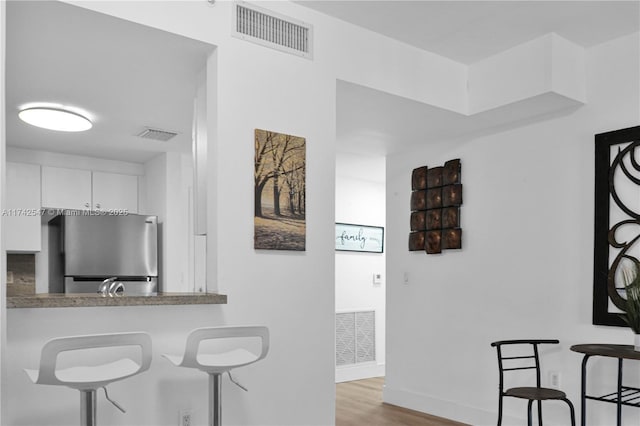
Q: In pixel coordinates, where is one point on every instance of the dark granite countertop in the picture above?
(80, 300)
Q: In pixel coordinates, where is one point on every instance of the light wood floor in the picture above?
(359, 403)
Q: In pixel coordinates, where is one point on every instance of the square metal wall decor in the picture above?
(436, 198)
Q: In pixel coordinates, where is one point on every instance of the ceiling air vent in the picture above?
(269, 29)
(156, 134)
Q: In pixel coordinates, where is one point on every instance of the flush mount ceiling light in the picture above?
(55, 119)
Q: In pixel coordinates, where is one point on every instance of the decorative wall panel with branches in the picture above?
(617, 220)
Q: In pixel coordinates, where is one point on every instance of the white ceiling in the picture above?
(376, 124)
(125, 76)
(467, 31)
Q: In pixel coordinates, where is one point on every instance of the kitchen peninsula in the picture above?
(81, 300)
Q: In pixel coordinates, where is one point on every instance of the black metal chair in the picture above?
(532, 393)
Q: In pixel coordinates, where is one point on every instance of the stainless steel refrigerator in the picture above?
(85, 248)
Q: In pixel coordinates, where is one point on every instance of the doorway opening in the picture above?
(360, 275)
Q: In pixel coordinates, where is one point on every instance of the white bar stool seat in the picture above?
(215, 364)
(88, 379)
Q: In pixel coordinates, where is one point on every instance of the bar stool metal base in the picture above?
(215, 399)
(88, 407)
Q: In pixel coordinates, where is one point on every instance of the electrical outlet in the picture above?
(185, 417)
(554, 379)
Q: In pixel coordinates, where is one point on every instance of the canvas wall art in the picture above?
(279, 191)
(362, 238)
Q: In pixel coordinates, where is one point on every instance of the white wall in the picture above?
(292, 293)
(168, 183)
(525, 269)
(155, 203)
(360, 200)
(546, 64)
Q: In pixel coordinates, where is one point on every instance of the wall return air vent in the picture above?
(261, 26)
(355, 337)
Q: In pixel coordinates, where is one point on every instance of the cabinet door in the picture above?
(22, 215)
(66, 188)
(113, 191)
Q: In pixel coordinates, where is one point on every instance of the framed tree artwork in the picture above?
(279, 191)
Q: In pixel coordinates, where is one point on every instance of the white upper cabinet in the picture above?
(113, 191)
(22, 215)
(66, 188)
(85, 190)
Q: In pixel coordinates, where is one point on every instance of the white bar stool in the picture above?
(88, 379)
(216, 364)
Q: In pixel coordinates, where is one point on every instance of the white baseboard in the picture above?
(437, 407)
(359, 371)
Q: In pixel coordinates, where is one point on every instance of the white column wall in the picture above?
(291, 292)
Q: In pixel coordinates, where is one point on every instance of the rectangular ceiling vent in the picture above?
(156, 134)
(270, 29)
